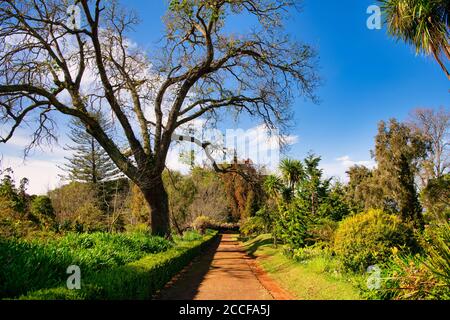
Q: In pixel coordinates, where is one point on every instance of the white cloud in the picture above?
(348, 162)
(339, 167)
(42, 174)
(173, 161)
(17, 144)
(254, 143)
(40, 166)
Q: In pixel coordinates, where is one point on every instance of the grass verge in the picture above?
(312, 279)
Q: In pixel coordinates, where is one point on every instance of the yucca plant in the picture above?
(439, 254)
(424, 24)
(292, 171)
(425, 276)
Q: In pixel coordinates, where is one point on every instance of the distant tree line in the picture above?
(411, 179)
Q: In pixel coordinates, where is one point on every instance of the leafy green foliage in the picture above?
(78, 207)
(12, 196)
(41, 208)
(188, 236)
(292, 172)
(272, 185)
(358, 189)
(262, 222)
(293, 227)
(314, 188)
(209, 198)
(42, 263)
(334, 205)
(421, 276)
(201, 223)
(403, 277)
(398, 152)
(322, 231)
(304, 201)
(15, 218)
(243, 191)
(437, 247)
(420, 23)
(136, 280)
(436, 198)
(182, 191)
(252, 226)
(368, 238)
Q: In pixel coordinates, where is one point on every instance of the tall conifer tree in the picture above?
(89, 162)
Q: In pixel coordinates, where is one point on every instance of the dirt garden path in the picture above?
(223, 272)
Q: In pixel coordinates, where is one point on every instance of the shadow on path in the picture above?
(185, 285)
(223, 272)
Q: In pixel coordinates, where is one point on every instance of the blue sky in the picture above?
(367, 77)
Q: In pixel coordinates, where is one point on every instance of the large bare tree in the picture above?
(50, 65)
(434, 125)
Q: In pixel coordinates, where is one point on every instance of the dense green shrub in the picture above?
(42, 205)
(13, 196)
(323, 231)
(31, 265)
(252, 226)
(42, 211)
(78, 207)
(293, 227)
(136, 280)
(188, 236)
(307, 253)
(11, 227)
(435, 198)
(334, 206)
(369, 238)
(201, 223)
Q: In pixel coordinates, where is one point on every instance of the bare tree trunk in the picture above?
(158, 201)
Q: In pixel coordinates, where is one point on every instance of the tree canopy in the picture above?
(48, 65)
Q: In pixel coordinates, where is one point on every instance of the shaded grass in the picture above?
(313, 279)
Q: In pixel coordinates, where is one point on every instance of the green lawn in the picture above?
(313, 279)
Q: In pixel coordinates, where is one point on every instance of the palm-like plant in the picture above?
(292, 171)
(273, 185)
(424, 24)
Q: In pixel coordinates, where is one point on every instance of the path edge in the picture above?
(273, 287)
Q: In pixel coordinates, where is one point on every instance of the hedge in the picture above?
(137, 280)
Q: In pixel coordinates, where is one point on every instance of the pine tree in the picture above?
(89, 162)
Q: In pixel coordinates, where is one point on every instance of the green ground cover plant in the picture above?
(139, 279)
(30, 265)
